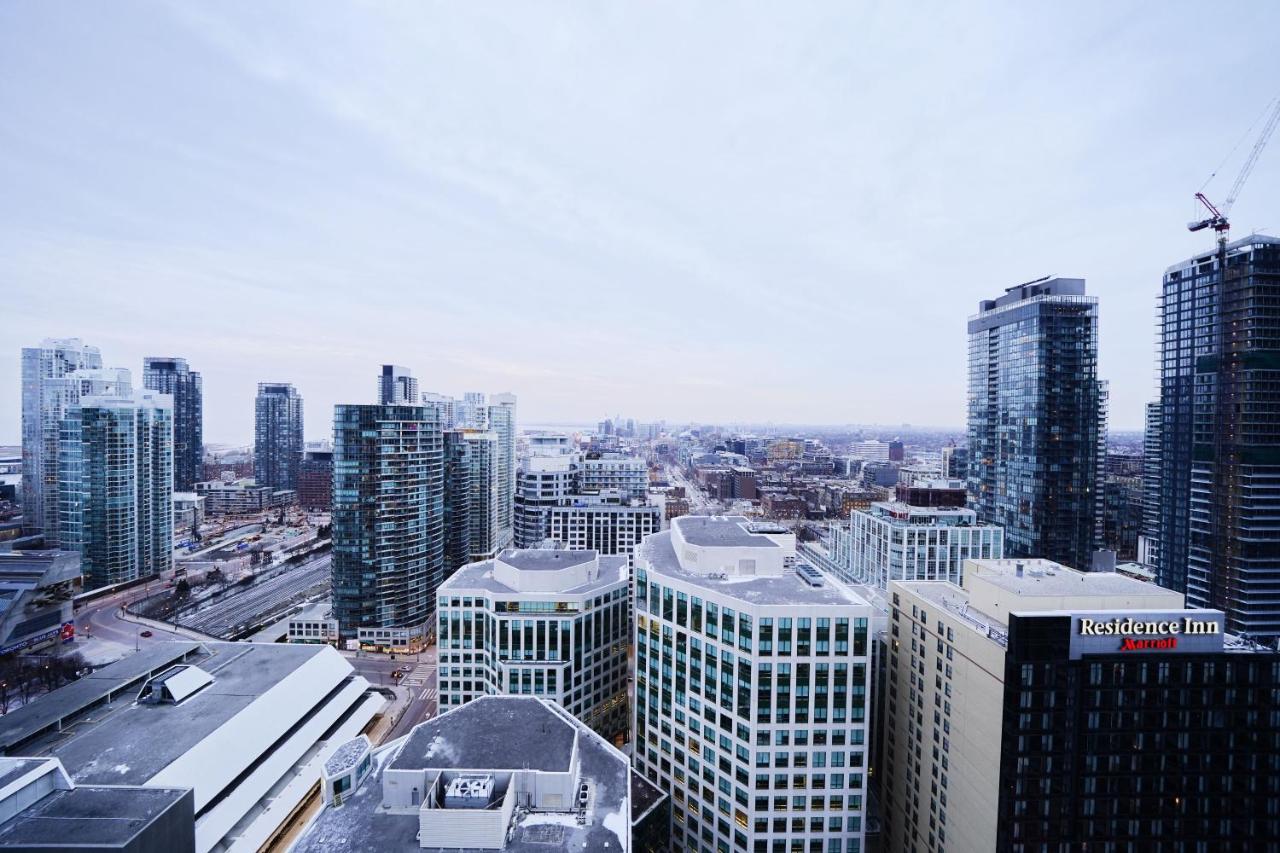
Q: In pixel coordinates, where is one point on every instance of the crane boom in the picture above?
(1217, 219)
(1267, 130)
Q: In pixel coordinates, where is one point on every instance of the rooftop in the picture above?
(91, 815)
(128, 743)
(495, 733)
(491, 733)
(761, 590)
(536, 560)
(481, 576)
(720, 531)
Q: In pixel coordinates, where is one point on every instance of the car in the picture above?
(145, 634)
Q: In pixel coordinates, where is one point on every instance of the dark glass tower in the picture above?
(388, 516)
(172, 376)
(458, 471)
(1037, 419)
(277, 452)
(1218, 523)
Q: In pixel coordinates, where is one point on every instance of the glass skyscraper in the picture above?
(388, 516)
(55, 375)
(502, 423)
(116, 485)
(1216, 515)
(172, 376)
(277, 450)
(1037, 419)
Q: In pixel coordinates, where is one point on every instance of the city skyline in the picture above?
(221, 159)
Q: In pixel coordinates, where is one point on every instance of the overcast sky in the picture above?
(712, 211)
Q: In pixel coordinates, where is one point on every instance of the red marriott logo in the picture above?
(1129, 644)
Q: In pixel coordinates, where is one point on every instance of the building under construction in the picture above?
(1217, 518)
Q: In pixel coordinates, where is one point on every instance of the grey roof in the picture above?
(764, 590)
(360, 826)
(720, 531)
(128, 743)
(108, 816)
(479, 576)
(491, 733)
(544, 560)
(15, 768)
(45, 711)
(1062, 581)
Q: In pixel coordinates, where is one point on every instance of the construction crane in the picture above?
(1217, 219)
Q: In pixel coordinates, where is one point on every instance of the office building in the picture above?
(1042, 708)
(1037, 419)
(602, 523)
(938, 493)
(540, 623)
(444, 406)
(277, 450)
(458, 471)
(897, 451)
(1150, 535)
(472, 532)
(116, 486)
(502, 773)
(315, 477)
(894, 541)
(502, 423)
(602, 472)
(955, 463)
(229, 496)
(582, 503)
(1122, 513)
(1217, 501)
(388, 522)
(751, 695)
(243, 730)
(172, 376)
(37, 588)
(397, 387)
(871, 450)
(472, 411)
(547, 478)
(188, 514)
(54, 377)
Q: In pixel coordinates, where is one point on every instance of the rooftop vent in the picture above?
(176, 684)
(469, 792)
(809, 574)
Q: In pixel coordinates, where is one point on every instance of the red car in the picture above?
(145, 634)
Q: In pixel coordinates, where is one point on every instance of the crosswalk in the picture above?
(420, 675)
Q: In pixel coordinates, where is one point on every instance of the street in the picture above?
(419, 682)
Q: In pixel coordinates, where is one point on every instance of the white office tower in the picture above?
(871, 450)
(752, 683)
(116, 486)
(472, 411)
(445, 406)
(47, 390)
(893, 541)
(541, 623)
(397, 386)
(603, 472)
(502, 423)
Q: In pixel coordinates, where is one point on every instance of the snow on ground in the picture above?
(544, 818)
(617, 824)
(99, 652)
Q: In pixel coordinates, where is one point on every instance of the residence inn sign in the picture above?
(1107, 632)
